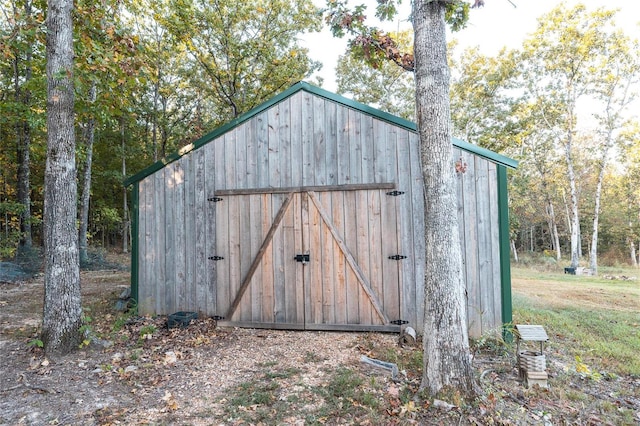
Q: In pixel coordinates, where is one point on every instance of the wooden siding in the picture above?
(301, 144)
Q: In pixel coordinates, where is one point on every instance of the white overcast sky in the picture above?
(492, 27)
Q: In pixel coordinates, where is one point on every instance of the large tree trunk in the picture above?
(447, 361)
(62, 304)
(86, 183)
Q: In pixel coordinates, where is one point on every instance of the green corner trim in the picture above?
(381, 115)
(134, 241)
(505, 262)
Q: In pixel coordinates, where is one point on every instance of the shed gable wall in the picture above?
(307, 140)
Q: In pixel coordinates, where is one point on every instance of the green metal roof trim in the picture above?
(401, 122)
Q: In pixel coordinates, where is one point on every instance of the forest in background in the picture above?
(152, 77)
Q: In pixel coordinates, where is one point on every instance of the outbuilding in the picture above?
(307, 212)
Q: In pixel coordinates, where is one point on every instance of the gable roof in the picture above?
(400, 122)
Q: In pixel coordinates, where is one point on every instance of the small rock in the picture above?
(170, 358)
(130, 369)
(443, 405)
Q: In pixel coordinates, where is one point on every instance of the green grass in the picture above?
(604, 337)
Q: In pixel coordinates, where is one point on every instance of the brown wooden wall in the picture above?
(341, 162)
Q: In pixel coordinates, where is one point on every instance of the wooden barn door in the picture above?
(310, 259)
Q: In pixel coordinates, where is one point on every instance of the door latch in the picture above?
(304, 258)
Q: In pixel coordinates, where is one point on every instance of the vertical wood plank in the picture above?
(410, 216)
(367, 144)
(354, 136)
(230, 164)
(251, 149)
(223, 283)
(267, 261)
(262, 135)
(275, 171)
(306, 249)
(211, 232)
(319, 142)
(234, 255)
(220, 158)
(246, 252)
(484, 242)
(327, 264)
(308, 171)
(156, 190)
(146, 287)
(188, 286)
(363, 253)
(338, 259)
(496, 280)
(351, 240)
(380, 153)
(279, 273)
(331, 143)
(289, 266)
(170, 243)
(179, 242)
(297, 160)
(342, 121)
(375, 246)
(284, 136)
(315, 264)
(200, 234)
(237, 137)
(474, 306)
(388, 246)
(256, 208)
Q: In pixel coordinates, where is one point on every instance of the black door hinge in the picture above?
(395, 193)
(217, 317)
(304, 258)
(397, 257)
(399, 322)
(215, 199)
(216, 258)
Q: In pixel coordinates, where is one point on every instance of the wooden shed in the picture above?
(307, 212)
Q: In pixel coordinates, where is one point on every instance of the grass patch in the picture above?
(592, 321)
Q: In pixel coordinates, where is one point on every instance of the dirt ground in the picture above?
(143, 373)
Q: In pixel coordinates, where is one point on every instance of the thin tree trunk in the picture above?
(575, 218)
(447, 361)
(125, 208)
(553, 225)
(23, 132)
(515, 252)
(593, 257)
(62, 317)
(632, 252)
(86, 183)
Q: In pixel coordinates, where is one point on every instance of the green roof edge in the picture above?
(385, 116)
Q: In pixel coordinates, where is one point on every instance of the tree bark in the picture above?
(23, 133)
(447, 361)
(125, 208)
(632, 253)
(575, 218)
(553, 225)
(62, 304)
(85, 197)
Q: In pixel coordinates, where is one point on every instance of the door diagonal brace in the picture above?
(364, 283)
(256, 262)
